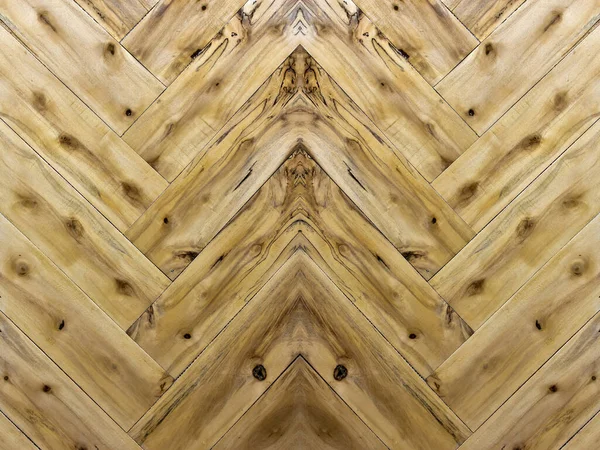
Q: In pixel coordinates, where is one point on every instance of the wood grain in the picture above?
(587, 437)
(12, 437)
(302, 411)
(515, 57)
(84, 57)
(482, 17)
(115, 16)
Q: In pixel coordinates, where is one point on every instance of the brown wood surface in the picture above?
(299, 224)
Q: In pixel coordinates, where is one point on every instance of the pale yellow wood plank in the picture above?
(488, 176)
(556, 402)
(300, 411)
(177, 127)
(84, 342)
(84, 57)
(11, 438)
(482, 374)
(299, 311)
(424, 32)
(514, 57)
(500, 259)
(99, 259)
(483, 16)
(384, 85)
(300, 199)
(117, 17)
(586, 438)
(45, 404)
(72, 139)
(168, 37)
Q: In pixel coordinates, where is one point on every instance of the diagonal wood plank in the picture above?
(45, 404)
(299, 199)
(104, 264)
(72, 139)
(587, 437)
(85, 57)
(515, 57)
(117, 17)
(483, 16)
(299, 311)
(481, 375)
(300, 411)
(12, 437)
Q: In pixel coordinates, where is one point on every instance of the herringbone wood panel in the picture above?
(306, 224)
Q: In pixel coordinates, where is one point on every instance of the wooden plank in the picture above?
(72, 139)
(117, 17)
(99, 259)
(392, 93)
(261, 136)
(483, 16)
(12, 437)
(177, 127)
(45, 404)
(527, 139)
(500, 259)
(426, 33)
(587, 437)
(299, 311)
(168, 37)
(75, 333)
(246, 253)
(547, 311)
(556, 402)
(300, 411)
(515, 57)
(84, 57)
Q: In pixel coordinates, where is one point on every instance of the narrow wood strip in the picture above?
(587, 437)
(300, 200)
(483, 16)
(99, 259)
(117, 17)
(526, 234)
(300, 411)
(12, 437)
(425, 33)
(84, 57)
(515, 57)
(72, 139)
(75, 333)
(299, 311)
(178, 126)
(488, 176)
(45, 404)
(556, 402)
(531, 327)
(168, 38)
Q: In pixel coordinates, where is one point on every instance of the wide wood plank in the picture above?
(554, 404)
(72, 139)
(175, 32)
(99, 259)
(299, 311)
(46, 404)
(515, 57)
(117, 17)
(482, 17)
(85, 57)
(74, 332)
(525, 235)
(300, 199)
(532, 326)
(300, 411)
(12, 437)
(424, 32)
(392, 93)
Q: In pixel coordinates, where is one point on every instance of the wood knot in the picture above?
(124, 288)
(489, 48)
(128, 112)
(21, 268)
(468, 191)
(578, 267)
(74, 227)
(46, 388)
(340, 372)
(553, 388)
(476, 287)
(259, 372)
(525, 228)
(412, 336)
(471, 112)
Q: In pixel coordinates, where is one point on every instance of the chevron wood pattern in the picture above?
(299, 224)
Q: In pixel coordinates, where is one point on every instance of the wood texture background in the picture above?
(299, 224)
